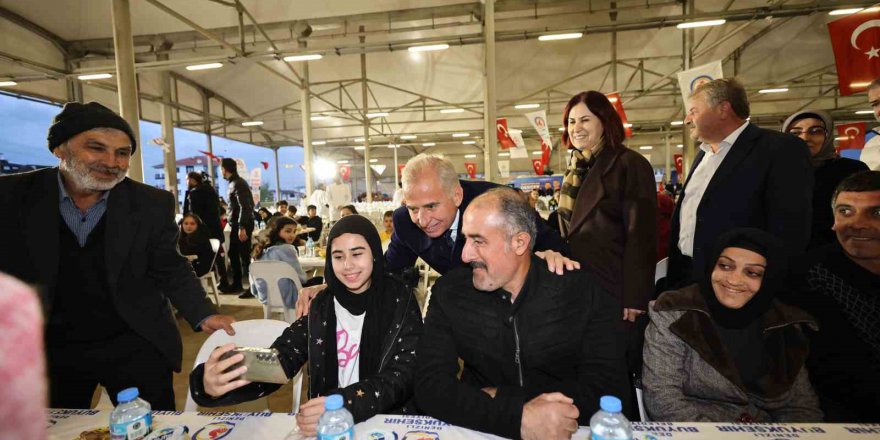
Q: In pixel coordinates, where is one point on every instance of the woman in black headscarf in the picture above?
(359, 338)
(725, 349)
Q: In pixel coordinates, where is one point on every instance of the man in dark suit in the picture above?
(743, 176)
(102, 249)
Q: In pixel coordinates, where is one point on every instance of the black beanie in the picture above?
(77, 117)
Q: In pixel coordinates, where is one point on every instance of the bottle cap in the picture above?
(127, 395)
(610, 404)
(333, 402)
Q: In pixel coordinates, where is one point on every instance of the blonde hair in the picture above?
(418, 165)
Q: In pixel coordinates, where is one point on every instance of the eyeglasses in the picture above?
(812, 131)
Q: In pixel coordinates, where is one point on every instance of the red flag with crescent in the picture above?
(679, 163)
(855, 40)
(851, 136)
(345, 172)
(213, 157)
(471, 169)
(400, 168)
(617, 103)
(265, 165)
(503, 134)
(538, 165)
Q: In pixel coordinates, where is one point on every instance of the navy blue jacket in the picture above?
(408, 242)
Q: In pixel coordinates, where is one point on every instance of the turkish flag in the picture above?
(855, 40)
(538, 165)
(545, 154)
(471, 169)
(618, 105)
(503, 134)
(851, 136)
(210, 155)
(345, 172)
(400, 168)
(679, 163)
(265, 165)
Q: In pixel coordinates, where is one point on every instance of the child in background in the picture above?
(194, 243)
(278, 246)
(385, 235)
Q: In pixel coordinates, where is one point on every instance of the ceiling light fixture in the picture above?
(360, 148)
(408, 136)
(204, 66)
(503, 154)
(865, 112)
(428, 48)
(646, 147)
(704, 23)
(452, 110)
(311, 57)
(94, 76)
(554, 37)
(776, 90)
(469, 142)
(319, 142)
(470, 156)
(428, 144)
(318, 118)
(377, 115)
(526, 106)
(845, 11)
(627, 125)
(460, 135)
(251, 123)
(676, 123)
(8, 83)
(374, 160)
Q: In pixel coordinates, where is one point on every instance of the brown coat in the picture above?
(614, 225)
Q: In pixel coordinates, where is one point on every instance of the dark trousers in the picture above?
(127, 360)
(220, 265)
(239, 255)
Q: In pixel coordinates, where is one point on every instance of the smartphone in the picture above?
(262, 364)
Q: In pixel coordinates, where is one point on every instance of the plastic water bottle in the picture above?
(609, 423)
(131, 419)
(336, 423)
(310, 247)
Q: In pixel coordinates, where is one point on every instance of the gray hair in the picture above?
(444, 168)
(726, 89)
(515, 212)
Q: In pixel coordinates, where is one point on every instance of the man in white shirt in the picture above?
(743, 176)
(338, 195)
(871, 151)
(319, 199)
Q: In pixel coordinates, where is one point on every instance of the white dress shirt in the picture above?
(697, 185)
(337, 195)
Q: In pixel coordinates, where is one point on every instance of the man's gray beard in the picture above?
(78, 172)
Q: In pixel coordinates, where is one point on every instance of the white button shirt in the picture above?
(697, 185)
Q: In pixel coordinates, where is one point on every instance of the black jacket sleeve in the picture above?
(788, 199)
(292, 348)
(242, 194)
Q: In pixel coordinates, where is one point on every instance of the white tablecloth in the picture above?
(68, 424)
(311, 262)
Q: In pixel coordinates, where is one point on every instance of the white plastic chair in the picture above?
(271, 272)
(209, 280)
(250, 333)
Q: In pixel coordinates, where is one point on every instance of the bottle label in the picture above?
(135, 429)
(347, 435)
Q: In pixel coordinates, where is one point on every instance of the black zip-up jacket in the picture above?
(560, 335)
(388, 391)
(241, 204)
(204, 202)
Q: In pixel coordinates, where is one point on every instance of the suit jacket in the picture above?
(408, 242)
(613, 228)
(204, 202)
(143, 266)
(764, 182)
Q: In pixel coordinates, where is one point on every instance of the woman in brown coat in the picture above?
(608, 205)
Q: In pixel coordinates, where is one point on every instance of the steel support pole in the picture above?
(277, 176)
(206, 115)
(666, 171)
(396, 174)
(368, 177)
(126, 81)
(687, 60)
(306, 114)
(490, 145)
(168, 136)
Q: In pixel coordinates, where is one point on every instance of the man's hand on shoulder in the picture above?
(304, 300)
(217, 322)
(557, 262)
(550, 417)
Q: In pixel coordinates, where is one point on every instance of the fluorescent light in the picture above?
(503, 154)
(845, 11)
(393, 146)
(561, 128)
(679, 146)
(359, 139)
(536, 153)
(859, 85)
(776, 90)
(251, 123)
(460, 135)
(342, 161)
(428, 48)
(360, 148)
(204, 66)
(612, 99)
(470, 156)
(627, 125)
(525, 106)
(311, 57)
(374, 160)
(452, 110)
(704, 23)
(428, 144)
(865, 112)
(319, 142)
(408, 136)
(469, 142)
(318, 118)
(8, 83)
(95, 76)
(377, 115)
(841, 138)
(552, 37)
(324, 169)
(646, 147)
(676, 123)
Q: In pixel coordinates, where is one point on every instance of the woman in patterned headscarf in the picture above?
(359, 338)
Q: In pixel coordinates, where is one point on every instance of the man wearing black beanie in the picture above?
(241, 223)
(102, 250)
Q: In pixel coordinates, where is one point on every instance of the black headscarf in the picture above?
(773, 281)
(371, 301)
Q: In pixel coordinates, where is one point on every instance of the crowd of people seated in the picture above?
(767, 312)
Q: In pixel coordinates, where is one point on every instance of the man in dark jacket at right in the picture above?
(241, 222)
(539, 349)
